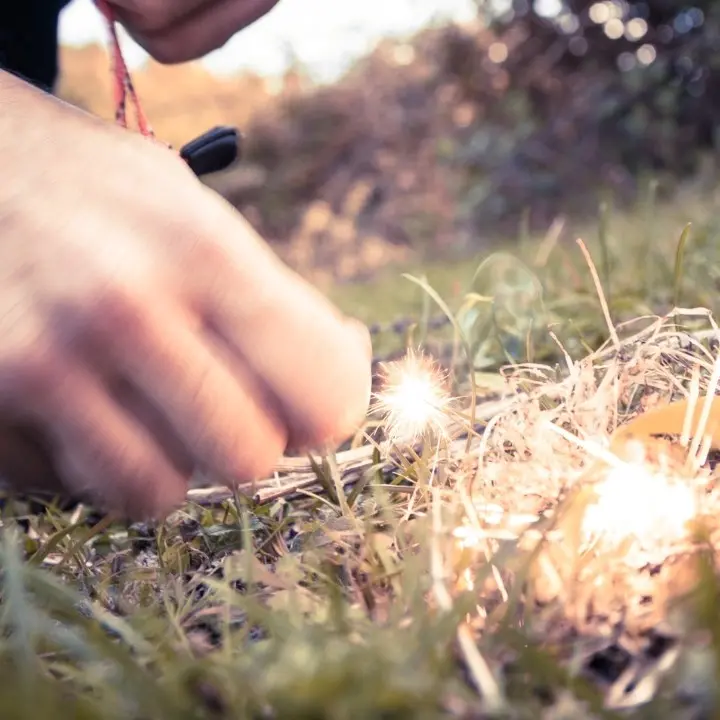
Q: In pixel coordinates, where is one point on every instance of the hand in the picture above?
(178, 30)
(145, 327)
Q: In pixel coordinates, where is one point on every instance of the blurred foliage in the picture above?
(534, 110)
(594, 92)
(435, 145)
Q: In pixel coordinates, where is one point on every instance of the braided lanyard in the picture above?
(123, 87)
(213, 151)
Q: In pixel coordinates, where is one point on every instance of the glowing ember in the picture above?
(414, 399)
(637, 503)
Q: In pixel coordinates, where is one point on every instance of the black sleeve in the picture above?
(29, 39)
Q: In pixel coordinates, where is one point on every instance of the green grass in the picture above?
(354, 601)
(648, 259)
(635, 254)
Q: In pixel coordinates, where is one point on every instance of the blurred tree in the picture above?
(618, 86)
(657, 44)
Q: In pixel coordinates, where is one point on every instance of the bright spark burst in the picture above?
(639, 503)
(648, 501)
(414, 399)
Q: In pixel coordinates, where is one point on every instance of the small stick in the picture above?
(350, 464)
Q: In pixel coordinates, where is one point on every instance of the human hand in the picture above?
(145, 327)
(178, 30)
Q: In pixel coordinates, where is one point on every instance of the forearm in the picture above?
(23, 113)
(38, 134)
(28, 112)
(13, 89)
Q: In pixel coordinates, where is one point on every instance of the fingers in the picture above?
(180, 31)
(156, 14)
(324, 382)
(137, 405)
(316, 362)
(216, 409)
(102, 453)
(25, 460)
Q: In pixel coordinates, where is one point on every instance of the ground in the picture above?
(470, 571)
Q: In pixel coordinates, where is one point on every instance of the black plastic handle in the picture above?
(213, 151)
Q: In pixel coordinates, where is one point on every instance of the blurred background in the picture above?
(403, 131)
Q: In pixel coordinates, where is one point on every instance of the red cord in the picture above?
(122, 81)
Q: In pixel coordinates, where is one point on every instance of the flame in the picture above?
(414, 399)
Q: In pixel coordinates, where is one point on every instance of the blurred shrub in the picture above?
(435, 144)
(594, 92)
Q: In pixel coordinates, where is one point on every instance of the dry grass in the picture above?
(461, 574)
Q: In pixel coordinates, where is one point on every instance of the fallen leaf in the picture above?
(670, 419)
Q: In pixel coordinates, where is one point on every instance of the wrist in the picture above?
(37, 133)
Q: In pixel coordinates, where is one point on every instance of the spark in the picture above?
(644, 504)
(414, 399)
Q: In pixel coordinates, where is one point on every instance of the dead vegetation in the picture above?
(484, 567)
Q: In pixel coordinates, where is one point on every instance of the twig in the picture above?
(351, 465)
(300, 485)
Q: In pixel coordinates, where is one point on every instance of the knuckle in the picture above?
(149, 15)
(116, 309)
(208, 254)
